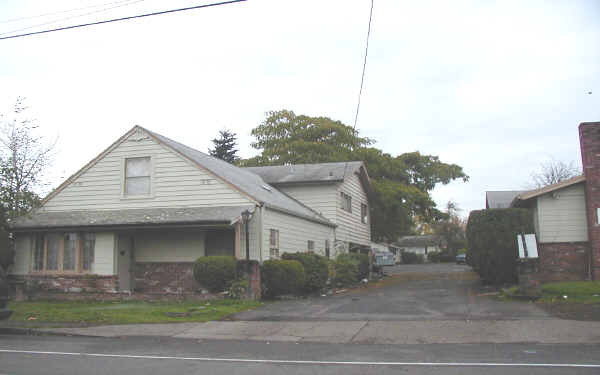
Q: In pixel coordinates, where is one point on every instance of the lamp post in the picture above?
(246, 215)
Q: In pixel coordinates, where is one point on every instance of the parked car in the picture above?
(383, 258)
(4, 311)
(461, 259)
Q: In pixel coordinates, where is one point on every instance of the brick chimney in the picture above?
(589, 140)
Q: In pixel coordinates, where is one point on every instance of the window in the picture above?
(64, 252)
(137, 176)
(364, 213)
(327, 249)
(274, 243)
(346, 202)
(311, 245)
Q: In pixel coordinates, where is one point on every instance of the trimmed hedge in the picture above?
(492, 242)
(282, 277)
(316, 270)
(215, 272)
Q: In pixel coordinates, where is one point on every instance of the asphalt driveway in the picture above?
(425, 292)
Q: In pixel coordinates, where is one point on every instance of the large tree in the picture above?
(451, 227)
(225, 146)
(402, 183)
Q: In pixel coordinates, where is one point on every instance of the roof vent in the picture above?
(266, 187)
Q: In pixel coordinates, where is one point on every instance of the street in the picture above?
(425, 319)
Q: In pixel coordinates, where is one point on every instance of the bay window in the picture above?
(64, 252)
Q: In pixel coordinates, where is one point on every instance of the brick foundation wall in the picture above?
(563, 261)
(166, 278)
(589, 139)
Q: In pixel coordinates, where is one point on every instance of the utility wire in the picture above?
(62, 11)
(74, 16)
(362, 79)
(121, 19)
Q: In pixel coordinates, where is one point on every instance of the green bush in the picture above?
(282, 277)
(412, 258)
(215, 272)
(238, 289)
(492, 242)
(362, 263)
(441, 257)
(315, 270)
(345, 270)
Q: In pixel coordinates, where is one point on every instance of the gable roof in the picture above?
(548, 189)
(245, 181)
(313, 173)
(500, 199)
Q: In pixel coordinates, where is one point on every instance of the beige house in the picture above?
(338, 191)
(137, 216)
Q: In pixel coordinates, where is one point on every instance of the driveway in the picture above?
(425, 292)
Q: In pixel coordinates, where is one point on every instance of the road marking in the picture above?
(297, 362)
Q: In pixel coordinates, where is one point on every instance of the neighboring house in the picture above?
(423, 245)
(566, 218)
(137, 216)
(500, 199)
(338, 191)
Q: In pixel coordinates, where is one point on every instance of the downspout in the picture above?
(260, 232)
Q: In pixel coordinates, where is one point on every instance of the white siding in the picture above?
(104, 254)
(294, 233)
(24, 253)
(562, 215)
(350, 228)
(321, 198)
(169, 246)
(176, 182)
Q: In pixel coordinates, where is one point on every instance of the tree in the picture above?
(225, 146)
(451, 227)
(554, 171)
(402, 183)
(24, 159)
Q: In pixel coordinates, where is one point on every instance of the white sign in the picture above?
(527, 246)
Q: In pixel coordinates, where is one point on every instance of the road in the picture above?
(412, 311)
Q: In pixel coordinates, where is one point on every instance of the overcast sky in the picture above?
(497, 87)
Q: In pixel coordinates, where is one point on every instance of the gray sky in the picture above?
(496, 87)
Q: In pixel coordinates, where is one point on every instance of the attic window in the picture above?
(137, 176)
(266, 187)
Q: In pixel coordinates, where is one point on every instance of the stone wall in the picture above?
(166, 278)
(564, 261)
(48, 286)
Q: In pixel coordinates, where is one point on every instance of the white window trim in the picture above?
(152, 157)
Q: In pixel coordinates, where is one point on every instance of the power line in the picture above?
(62, 11)
(362, 79)
(130, 2)
(122, 19)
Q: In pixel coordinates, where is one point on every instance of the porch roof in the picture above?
(132, 217)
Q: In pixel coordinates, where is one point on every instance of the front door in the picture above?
(125, 263)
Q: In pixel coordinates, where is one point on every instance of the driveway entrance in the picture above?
(410, 293)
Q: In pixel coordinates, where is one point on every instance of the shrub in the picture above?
(346, 270)
(215, 272)
(315, 269)
(282, 277)
(492, 242)
(441, 257)
(238, 289)
(412, 258)
(362, 263)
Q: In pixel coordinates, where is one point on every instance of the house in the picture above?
(500, 199)
(566, 218)
(338, 191)
(136, 217)
(423, 244)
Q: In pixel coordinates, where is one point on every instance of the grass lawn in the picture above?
(126, 312)
(572, 291)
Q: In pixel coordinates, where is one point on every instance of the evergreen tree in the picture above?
(225, 146)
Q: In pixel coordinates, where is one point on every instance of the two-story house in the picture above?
(138, 215)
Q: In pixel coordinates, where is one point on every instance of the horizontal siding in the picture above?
(24, 253)
(104, 254)
(321, 198)
(350, 228)
(175, 183)
(562, 216)
(169, 246)
(294, 233)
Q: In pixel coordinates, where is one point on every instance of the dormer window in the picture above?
(137, 176)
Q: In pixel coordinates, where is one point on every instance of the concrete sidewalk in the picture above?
(366, 332)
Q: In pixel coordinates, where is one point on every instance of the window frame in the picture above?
(60, 270)
(274, 248)
(124, 195)
(346, 202)
(327, 248)
(364, 213)
(310, 245)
